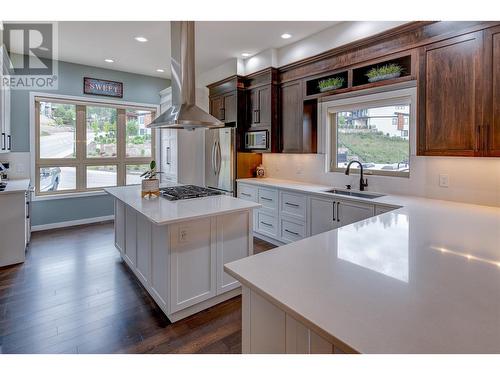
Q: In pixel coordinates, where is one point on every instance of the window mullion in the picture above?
(81, 142)
(121, 145)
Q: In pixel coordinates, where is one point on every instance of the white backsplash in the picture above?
(19, 164)
(471, 180)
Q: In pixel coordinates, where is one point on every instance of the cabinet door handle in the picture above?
(292, 232)
(292, 204)
(3, 141)
(266, 199)
(338, 215)
(266, 224)
(9, 139)
(333, 211)
(246, 194)
(168, 155)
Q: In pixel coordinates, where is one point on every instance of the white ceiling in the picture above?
(89, 43)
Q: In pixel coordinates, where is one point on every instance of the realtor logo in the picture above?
(29, 55)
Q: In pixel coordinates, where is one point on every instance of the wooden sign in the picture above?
(102, 87)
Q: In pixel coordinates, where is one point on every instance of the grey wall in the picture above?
(136, 88)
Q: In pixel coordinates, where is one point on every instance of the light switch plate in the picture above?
(444, 180)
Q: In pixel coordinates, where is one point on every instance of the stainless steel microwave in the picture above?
(256, 140)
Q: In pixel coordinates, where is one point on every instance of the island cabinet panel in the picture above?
(450, 97)
(492, 107)
(160, 264)
(120, 225)
(143, 263)
(193, 263)
(130, 236)
(232, 244)
(267, 329)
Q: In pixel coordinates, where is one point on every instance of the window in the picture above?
(84, 146)
(374, 130)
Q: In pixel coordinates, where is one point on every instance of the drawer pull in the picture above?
(266, 224)
(292, 204)
(246, 194)
(266, 199)
(292, 232)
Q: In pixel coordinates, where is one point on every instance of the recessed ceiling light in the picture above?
(246, 54)
(140, 39)
(286, 36)
(109, 60)
(160, 70)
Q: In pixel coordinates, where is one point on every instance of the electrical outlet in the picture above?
(183, 234)
(444, 180)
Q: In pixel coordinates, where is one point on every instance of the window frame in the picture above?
(82, 161)
(330, 106)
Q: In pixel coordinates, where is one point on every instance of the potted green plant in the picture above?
(332, 83)
(150, 184)
(381, 73)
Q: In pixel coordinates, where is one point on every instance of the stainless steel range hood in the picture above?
(184, 113)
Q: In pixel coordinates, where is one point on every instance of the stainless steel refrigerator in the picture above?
(220, 159)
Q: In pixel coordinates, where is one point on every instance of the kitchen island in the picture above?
(423, 278)
(177, 249)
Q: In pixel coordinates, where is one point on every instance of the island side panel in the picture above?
(181, 264)
(267, 329)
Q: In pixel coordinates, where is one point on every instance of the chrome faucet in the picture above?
(363, 182)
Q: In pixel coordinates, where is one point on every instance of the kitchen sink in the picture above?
(358, 194)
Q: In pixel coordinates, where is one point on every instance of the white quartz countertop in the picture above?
(424, 278)
(162, 211)
(16, 186)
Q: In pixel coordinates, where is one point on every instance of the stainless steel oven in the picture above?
(257, 140)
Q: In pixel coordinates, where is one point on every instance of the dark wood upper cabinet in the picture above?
(230, 107)
(217, 107)
(492, 89)
(291, 116)
(227, 100)
(260, 103)
(450, 97)
(262, 106)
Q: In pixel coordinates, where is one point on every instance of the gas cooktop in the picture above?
(187, 192)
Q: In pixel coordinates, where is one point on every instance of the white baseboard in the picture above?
(72, 223)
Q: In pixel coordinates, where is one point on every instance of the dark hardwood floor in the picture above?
(74, 294)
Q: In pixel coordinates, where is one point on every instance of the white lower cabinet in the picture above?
(267, 329)
(349, 212)
(182, 264)
(288, 216)
(266, 223)
(322, 215)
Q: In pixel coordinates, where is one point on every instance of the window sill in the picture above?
(69, 195)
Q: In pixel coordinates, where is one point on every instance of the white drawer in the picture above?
(293, 204)
(266, 223)
(292, 231)
(247, 192)
(268, 198)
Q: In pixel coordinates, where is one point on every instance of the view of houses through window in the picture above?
(378, 137)
(86, 147)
